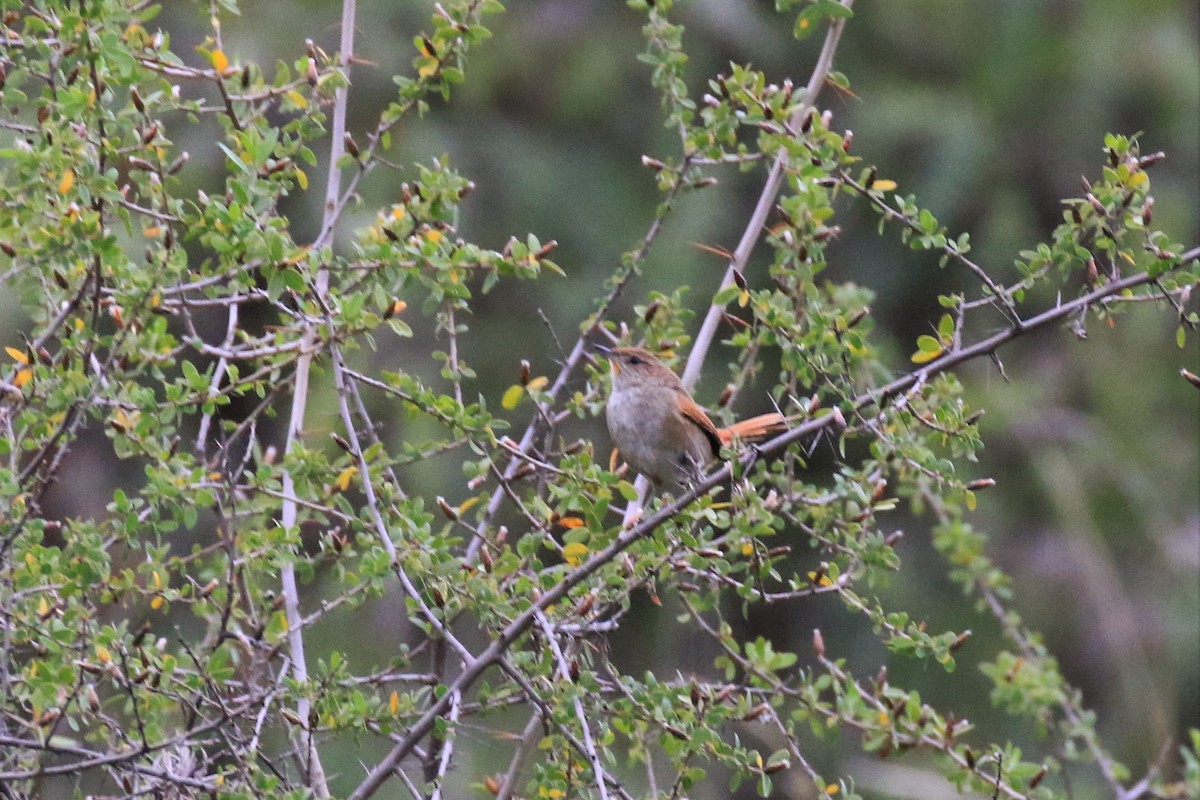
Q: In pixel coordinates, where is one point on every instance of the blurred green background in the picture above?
(989, 113)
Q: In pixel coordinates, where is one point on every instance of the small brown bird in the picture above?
(657, 426)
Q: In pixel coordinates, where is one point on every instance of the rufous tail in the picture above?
(758, 427)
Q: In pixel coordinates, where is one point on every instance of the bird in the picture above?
(658, 428)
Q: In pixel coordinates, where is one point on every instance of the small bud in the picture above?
(340, 442)
(757, 711)
(858, 317)
(818, 642)
(739, 279)
(726, 395)
(311, 73)
(1037, 778)
(351, 146)
(961, 640)
(450, 513)
(524, 378)
(981, 483)
(584, 606)
(1149, 161)
(1147, 211)
(969, 756)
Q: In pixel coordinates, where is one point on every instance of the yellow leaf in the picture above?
(883, 185)
(157, 579)
(570, 522)
(812, 576)
(574, 553)
(157, 602)
(18, 356)
(299, 100)
(344, 478)
(743, 298)
(152, 232)
(22, 377)
(301, 179)
(124, 421)
(538, 383)
(925, 356)
(428, 67)
(467, 504)
(398, 306)
(831, 789)
(970, 501)
(43, 608)
(103, 654)
(68, 180)
(433, 235)
(394, 704)
(512, 396)
(883, 718)
(219, 60)
(747, 549)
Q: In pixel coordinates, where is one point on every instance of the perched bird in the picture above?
(659, 429)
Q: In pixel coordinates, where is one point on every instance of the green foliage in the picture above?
(172, 638)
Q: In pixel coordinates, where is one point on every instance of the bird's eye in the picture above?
(635, 360)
